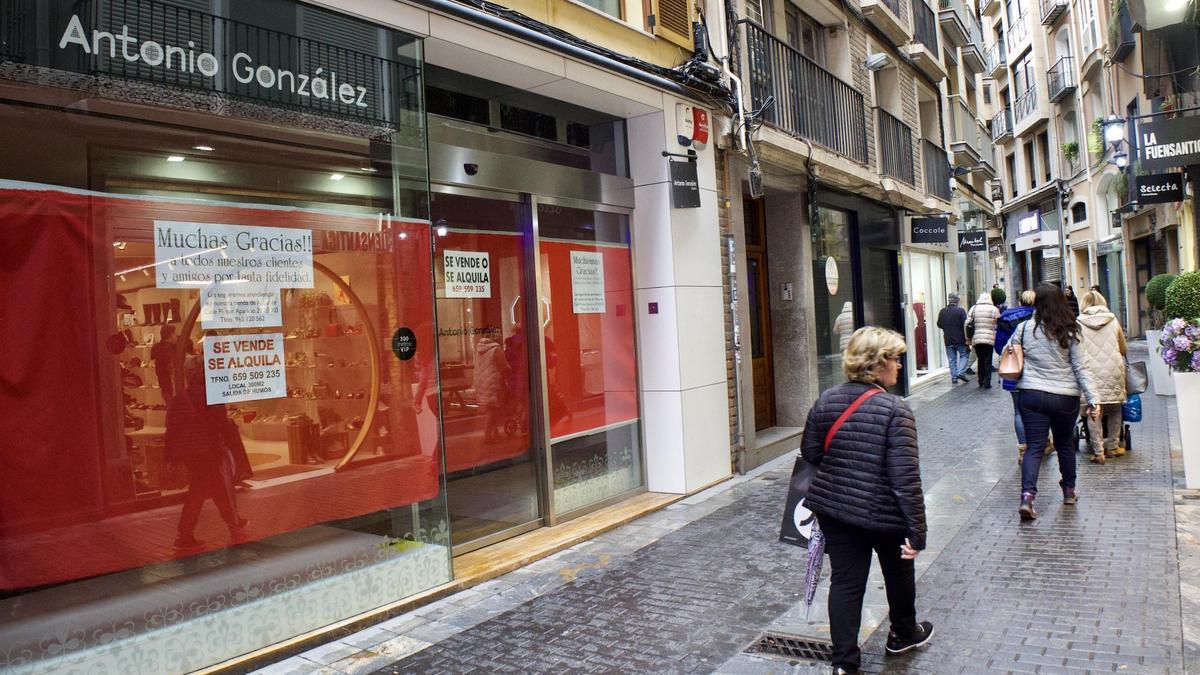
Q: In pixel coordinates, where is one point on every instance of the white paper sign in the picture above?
(587, 282)
(239, 306)
(244, 367)
(187, 255)
(467, 274)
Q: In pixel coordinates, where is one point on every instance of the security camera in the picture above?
(878, 61)
(471, 169)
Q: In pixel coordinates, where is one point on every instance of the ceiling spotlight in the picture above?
(336, 176)
(368, 169)
(203, 148)
(119, 245)
(175, 158)
(404, 235)
(442, 230)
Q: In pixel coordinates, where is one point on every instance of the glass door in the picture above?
(590, 401)
(481, 275)
(833, 293)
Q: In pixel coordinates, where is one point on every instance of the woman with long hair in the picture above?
(1050, 387)
(867, 493)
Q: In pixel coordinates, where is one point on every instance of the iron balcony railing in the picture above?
(894, 5)
(1025, 104)
(810, 102)
(895, 148)
(1052, 9)
(1120, 38)
(974, 30)
(1018, 32)
(963, 127)
(937, 170)
(1060, 79)
(1002, 124)
(987, 150)
(997, 57)
(925, 26)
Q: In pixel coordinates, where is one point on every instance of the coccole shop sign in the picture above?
(189, 59)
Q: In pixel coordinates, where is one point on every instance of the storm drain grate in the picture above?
(792, 647)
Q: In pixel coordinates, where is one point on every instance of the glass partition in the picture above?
(226, 299)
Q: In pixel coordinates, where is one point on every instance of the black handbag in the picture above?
(798, 521)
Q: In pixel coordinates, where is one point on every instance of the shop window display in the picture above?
(227, 299)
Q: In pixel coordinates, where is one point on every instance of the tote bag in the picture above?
(1012, 361)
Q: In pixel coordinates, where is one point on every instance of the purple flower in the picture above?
(1196, 360)
(1175, 325)
(1182, 344)
(1192, 331)
(1169, 355)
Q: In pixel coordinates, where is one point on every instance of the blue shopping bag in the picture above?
(1131, 409)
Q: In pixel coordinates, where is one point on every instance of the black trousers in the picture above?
(983, 364)
(849, 548)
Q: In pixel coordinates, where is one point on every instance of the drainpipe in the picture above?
(740, 438)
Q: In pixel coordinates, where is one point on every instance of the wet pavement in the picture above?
(1095, 587)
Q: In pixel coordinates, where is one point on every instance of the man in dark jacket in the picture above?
(952, 320)
(867, 493)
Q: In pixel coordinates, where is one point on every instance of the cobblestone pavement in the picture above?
(1094, 587)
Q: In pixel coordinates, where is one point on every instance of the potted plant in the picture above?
(1180, 342)
(1071, 153)
(1095, 138)
(1156, 296)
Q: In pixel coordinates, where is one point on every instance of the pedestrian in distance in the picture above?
(982, 320)
(1010, 319)
(951, 320)
(1072, 301)
(1051, 383)
(1104, 350)
(867, 493)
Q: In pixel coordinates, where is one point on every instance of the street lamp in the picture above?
(1121, 159)
(1114, 129)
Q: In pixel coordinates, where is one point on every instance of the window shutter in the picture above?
(673, 21)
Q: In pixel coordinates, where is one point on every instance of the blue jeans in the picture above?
(957, 355)
(1017, 422)
(1043, 413)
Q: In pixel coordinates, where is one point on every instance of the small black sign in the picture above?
(930, 230)
(404, 343)
(1160, 188)
(685, 185)
(1164, 144)
(972, 242)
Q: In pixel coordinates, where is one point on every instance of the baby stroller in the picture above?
(1131, 411)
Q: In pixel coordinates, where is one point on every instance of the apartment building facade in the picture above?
(843, 209)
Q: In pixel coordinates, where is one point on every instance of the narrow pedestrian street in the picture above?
(687, 589)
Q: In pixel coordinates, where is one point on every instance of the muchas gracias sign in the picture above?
(201, 51)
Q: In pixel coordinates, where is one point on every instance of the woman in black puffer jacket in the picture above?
(867, 494)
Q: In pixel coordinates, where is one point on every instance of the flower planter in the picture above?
(1187, 394)
(1160, 374)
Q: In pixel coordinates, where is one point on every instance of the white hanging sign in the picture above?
(587, 282)
(467, 274)
(244, 368)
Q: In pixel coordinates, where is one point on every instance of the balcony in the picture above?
(937, 171)
(1052, 9)
(885, 15)
(988, 6)
(1026, 104)
(810, 102)
(996, 59)
(1018, 34)
(924, 53)
(972, 51)
(1002, 126)
(1120, 34)
(1060, 79)
(953, 17)
(896, 149)
(964, 133)
(987, 152)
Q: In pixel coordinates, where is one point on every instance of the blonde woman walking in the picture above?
(1104, 348)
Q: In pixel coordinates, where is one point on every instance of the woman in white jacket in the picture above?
(983, 317)
(1103, 345)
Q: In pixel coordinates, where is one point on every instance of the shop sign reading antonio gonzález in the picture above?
(269, 66)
